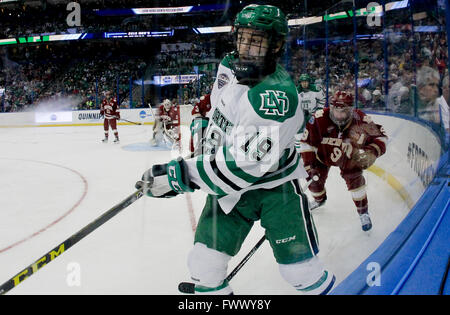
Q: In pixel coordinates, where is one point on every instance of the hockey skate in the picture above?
(105, 140)
(313, 204)
(366, 223)
(116, 141)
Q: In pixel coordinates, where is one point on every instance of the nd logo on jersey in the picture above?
(274, 103)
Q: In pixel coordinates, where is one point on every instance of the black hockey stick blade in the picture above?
(189, 287)
(186, 287)
(64, 246)
(131, 122)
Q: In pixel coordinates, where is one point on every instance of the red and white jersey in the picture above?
(110, 109)
(170, 118)
(202, 107)
(324, 142)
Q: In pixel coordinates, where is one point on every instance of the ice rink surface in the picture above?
(56, 180)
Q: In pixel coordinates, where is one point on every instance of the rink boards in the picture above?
(412, 160)
(82, 117)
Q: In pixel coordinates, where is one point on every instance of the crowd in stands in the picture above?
(25, 79)
(183, 57)
(27, 20)
(391, 72)
(48, 17)
(81, 72)
(89, 78)
(198, 55)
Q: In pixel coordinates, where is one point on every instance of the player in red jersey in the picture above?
(199, 123)
(110, 110)
(167, 124)
(345, 137)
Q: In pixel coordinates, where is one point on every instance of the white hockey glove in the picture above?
(166, 180)
(172, 134)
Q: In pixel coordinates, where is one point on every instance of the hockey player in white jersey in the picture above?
(310, 96)
(249, 166)
(310, 99)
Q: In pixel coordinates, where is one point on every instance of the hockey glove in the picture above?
(165, 118)
(363, 158)
(166, 180)
(313, 175)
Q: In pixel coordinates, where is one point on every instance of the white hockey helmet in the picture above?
(167, 104)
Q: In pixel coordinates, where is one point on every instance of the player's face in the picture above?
(340, 115)
(305, 84)
(252, 44)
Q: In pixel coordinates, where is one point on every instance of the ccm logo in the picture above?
(173, 179)
(285, 240)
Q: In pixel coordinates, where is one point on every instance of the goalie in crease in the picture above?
(344, 137)
(247, 181)
(167, 125)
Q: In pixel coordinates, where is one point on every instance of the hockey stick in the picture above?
(189, 287)
(64, 246)
(246, 258)
(132, 122)
(151, 109)
(314, 179)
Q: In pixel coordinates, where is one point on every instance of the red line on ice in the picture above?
(60, 218)
(191, 212)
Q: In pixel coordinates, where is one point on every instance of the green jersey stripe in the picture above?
(284, 161)
(219, 174)
(236, 170)
(308, 220)
(280, 173)
(205, 178)
(222, 166)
